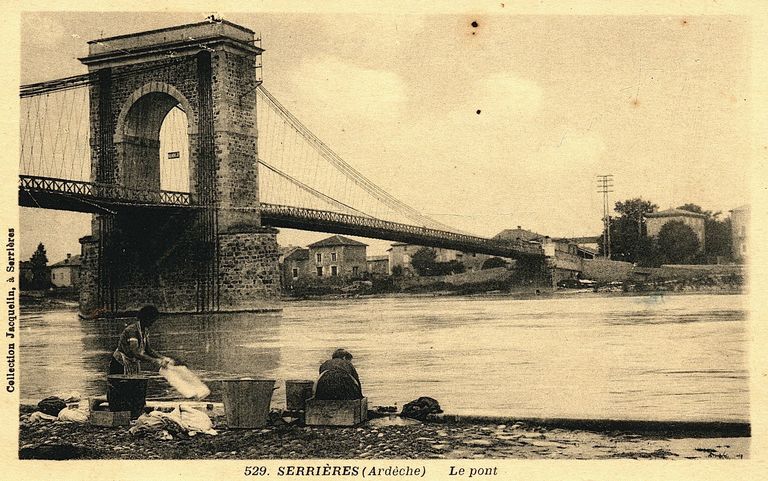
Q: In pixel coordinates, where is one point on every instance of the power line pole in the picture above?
(604, 186)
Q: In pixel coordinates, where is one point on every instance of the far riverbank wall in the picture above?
(603, 270)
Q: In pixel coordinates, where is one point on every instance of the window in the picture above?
(320, 271)
(319, 257)
(333, 257)
(334, 271)
(354, 271)
(295, 273)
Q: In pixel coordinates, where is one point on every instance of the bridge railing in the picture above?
(469, 241)
(289, 215)
(110, 192)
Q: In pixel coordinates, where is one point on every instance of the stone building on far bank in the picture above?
(378, 265)
(656, 220)
(518, 235)
(295, 266)
(66, 273)
(337, 256)
(400, 256)
(739, 233)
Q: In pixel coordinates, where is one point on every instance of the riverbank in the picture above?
(381, 438)
(528, 293)
(604, 276)
(50, 300)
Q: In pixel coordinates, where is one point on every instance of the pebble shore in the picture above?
(383, 438)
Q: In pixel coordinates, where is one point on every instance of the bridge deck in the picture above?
(87, 197)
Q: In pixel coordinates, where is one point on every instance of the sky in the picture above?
(485, 127)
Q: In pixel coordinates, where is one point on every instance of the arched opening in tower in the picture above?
(152, 144)
(174, 151)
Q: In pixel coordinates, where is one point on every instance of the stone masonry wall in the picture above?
(234, 96)
(89, 265)
(154, 251)
(180, 74)
(654, 225)
(249, 274)
(159, 258)
(353, 257)
(605, 270)
(346, 259)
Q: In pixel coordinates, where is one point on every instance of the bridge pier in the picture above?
(213, 256)
(248, 273)
(177, 272)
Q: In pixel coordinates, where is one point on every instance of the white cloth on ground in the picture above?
(193, 420)
(149, 422)
(72, 415)
(39, 417)
(188, 419)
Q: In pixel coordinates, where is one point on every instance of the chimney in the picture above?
(519, 227)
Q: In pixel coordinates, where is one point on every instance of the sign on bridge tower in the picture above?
(216, 257)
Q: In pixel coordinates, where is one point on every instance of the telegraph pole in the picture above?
(604, 186)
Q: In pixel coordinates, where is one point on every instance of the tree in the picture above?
(636, 209)
(492, 262)
(629, 231)
(718, 237)
(423, 261)
(717, 233)
(695, 209)
(450, 267)
(39, 261)
(677, 243)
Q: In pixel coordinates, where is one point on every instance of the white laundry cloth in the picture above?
(185, 381)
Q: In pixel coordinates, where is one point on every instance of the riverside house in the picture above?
(337, 256)
(295, 266)
(67, 272)
(656, 220)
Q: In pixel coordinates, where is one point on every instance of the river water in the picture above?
(670, 357)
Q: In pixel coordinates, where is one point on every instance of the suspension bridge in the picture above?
(173, 128)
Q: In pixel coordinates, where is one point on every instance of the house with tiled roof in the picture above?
(654, 221)
(378, 265)
(337, 256)
(294, 266)
(584, 247)
(400, 255)
(518, 235)
(284, 251)
(66, 273)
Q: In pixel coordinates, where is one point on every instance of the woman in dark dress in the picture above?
(338, 378)
(134, 347)
(128, 392)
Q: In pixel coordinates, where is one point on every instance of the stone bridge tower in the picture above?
(215, 256)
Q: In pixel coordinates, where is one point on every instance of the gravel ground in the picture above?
(383, 438)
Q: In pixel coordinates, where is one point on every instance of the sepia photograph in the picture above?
(382, 243)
